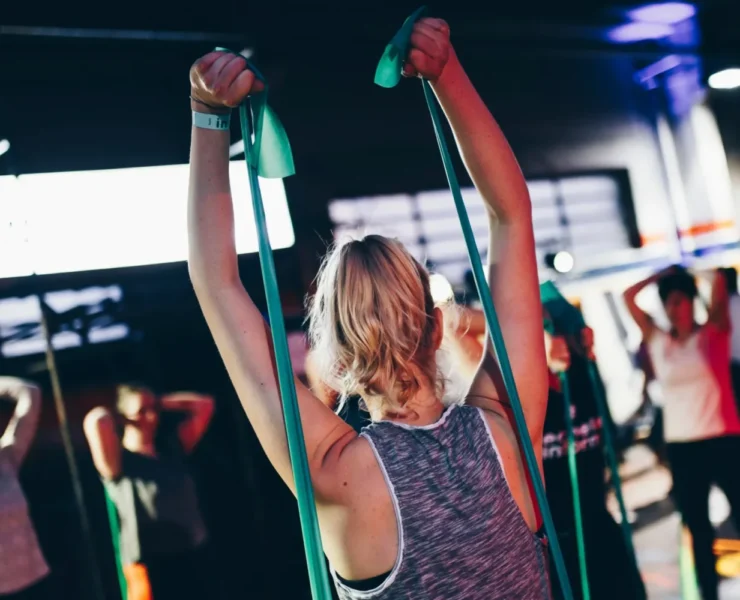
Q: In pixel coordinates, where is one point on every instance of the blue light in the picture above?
(638, 32)
(667, 13)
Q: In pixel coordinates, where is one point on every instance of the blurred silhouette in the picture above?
(730, 274)
(606, 551)
(701, 422)
(161, 529)
(651, 409)
(23, 568)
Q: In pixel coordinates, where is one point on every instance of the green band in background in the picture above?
(115, 533)
(575, 488)
(566, 319)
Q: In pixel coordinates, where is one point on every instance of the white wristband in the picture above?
(209, 121)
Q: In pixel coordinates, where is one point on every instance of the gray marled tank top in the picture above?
(461, 534)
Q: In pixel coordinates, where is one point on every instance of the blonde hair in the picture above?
(372, 323)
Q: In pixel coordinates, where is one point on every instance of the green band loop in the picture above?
(390, 65)
(272, 156)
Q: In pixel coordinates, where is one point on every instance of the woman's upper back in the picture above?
(460, 532)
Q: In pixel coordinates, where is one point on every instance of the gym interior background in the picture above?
(632, 156)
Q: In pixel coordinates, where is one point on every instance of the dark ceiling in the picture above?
(75, 95)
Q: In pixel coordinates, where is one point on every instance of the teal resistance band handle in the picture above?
(317, 574)
(576, 490)
(611, 457)
(497, 338)
(115, 534)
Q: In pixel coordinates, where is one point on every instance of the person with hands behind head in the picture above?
(161, 528)
(700, 418)
(428, 501)
(24, 573)
(611, 570)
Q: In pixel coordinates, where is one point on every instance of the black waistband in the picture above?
(365, 585)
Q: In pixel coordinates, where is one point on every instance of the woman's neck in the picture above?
(425, 408)
(135, 441)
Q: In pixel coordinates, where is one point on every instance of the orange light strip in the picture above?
(693, 231)
(703, 228)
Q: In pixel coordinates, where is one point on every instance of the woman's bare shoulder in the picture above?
(353, 469)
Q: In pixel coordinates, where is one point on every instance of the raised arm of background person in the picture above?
(240, 332)
(199, 411)
(105, 445)
(319, 388)
(557, 352)
(472, 322)
(643, 320)
(19, 434)
(465, 344)
(512, 269)
(719, 303)
(469, 350)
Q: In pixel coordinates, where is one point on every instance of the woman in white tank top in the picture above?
(701, 423)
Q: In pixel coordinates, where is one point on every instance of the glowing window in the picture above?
(87, 220)
(581, 214)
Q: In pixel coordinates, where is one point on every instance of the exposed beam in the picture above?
(120, 34)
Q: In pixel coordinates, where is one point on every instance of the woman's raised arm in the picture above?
(512, 269)
(219, 81)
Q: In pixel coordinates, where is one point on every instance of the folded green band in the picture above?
(390, 67)
(272, 155)
(566, 318)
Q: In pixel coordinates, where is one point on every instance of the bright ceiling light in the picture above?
(729, 79)
(563, 262)
(668, 13)
(4, 146)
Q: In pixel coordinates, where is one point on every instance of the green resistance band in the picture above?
(689, 584)
(569, 320)
(115, 533)
(573, 470)
(267, 154)
(387, 75)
